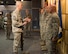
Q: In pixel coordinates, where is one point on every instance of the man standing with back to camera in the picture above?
(17, 24)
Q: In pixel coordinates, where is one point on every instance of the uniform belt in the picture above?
(22, 27)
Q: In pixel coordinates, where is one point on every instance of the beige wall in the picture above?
(64, 43)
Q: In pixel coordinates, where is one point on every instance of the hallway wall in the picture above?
(64, 43)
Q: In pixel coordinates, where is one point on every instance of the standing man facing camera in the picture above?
(17, 24)
(7, 25)
(27, 28)
(43, 15)
(51, 30)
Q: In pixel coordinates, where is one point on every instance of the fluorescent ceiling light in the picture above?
(21, 0)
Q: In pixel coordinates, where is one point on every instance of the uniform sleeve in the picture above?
(55, 26)
(15, 21)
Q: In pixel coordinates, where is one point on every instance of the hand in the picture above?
(24, 23)
(54, 39)
(42, 10)
(29, 20)
(25, 19)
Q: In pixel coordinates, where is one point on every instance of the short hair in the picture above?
(53, 8)
(18, 2)
(46, 3)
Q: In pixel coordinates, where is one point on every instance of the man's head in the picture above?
(53, 8)
(19, 5)
(27, 11)
(45, 4)
(48, 9)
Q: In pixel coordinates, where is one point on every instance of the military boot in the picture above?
(42, 42)
(26, 52)
(43, 48)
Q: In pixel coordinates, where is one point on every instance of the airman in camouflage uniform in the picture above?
(43, 15)
(17, 24)
(7, 25)
(1, 22)
(27, 28)
(51, 30)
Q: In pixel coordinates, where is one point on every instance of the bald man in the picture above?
(17, 24)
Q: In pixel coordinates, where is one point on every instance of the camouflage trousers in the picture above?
(51, 47)
(27, 30)
(42, 34)
(16, 42)
(7, 32)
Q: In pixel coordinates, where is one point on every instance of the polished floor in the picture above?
(31, 44)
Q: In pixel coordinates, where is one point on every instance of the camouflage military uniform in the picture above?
(1, 22)
(7, 26)
(27, 28)
(51, 31)
(42, 29)
(16, 29)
